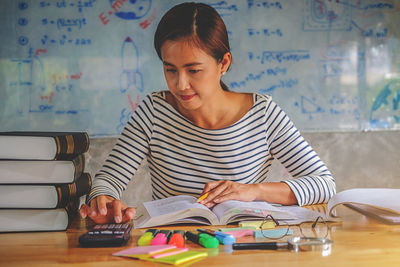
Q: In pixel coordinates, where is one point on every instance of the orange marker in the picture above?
(177, 239)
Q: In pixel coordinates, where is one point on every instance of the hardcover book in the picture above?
(43, 145)
(41, 171)
(43, 196)
(23, 220)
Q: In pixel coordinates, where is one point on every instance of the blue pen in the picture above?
(222, 237)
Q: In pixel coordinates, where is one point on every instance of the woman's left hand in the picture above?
(221, 191)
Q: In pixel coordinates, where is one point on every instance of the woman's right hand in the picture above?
(105, 209)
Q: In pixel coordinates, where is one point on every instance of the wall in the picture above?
(367, 159)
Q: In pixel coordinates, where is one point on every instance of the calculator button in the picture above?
(106, 232)
(119, 232)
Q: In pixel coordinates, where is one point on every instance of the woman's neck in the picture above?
(224, 109)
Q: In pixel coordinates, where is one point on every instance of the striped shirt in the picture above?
(183, 157)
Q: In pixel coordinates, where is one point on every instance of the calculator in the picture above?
(106, 235)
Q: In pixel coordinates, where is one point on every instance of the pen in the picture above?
(261, 245)
(203, 197)
(202, 239)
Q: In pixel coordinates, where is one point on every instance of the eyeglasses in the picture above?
(304, 228)
(266, 221)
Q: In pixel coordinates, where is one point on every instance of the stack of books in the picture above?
(41, 179)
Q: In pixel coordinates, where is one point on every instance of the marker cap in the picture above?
(159, 239)
(225, 238)
(208, 241)
(177, 240)
(145, 239)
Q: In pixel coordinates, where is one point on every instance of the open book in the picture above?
(185, 209)
(380, 203)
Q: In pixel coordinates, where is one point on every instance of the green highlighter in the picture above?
(145, 239)
(202, 239)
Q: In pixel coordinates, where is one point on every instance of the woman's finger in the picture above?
(237, 191)
(101, 205)
(84, 210)
(128, 214)
(215, 192)
(209, 186)
(227, 195)
(93, 208)
(117, 210)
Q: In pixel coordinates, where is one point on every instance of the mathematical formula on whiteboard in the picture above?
(86, 65)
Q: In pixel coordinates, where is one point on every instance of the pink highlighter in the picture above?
(159, 239)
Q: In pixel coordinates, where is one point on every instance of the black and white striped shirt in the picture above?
(183, 157)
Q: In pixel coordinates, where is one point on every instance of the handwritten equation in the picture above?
(330, 64)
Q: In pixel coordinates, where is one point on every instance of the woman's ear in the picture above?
(226, 62)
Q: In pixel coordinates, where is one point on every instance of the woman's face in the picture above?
(193, 77)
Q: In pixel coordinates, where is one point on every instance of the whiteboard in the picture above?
(69, 65)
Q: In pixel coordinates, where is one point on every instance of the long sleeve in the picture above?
(313, 182)
(124, 159)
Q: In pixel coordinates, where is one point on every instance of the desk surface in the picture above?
(357, 240)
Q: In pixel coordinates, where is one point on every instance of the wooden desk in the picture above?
(357, 241)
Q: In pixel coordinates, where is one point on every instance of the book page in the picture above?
(172, 204)
(173, 210)
(376, 213)
(234, 208)
(384, 198)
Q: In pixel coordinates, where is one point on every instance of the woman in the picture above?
(199, 137)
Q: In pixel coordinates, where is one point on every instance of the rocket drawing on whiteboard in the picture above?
(38, 82)
(30, 76)
(38, 76)
(130, 76)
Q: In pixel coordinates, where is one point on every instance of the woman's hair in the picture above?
(199, 24)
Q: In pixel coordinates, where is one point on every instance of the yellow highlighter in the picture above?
(203, 197)
(257, 224)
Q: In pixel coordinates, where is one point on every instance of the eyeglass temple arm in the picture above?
(316, 221)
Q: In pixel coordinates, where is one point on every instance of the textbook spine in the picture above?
(70, 145)
(79, 164)
(67, 192)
